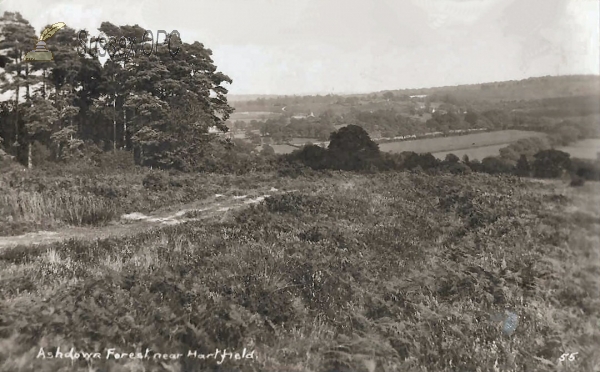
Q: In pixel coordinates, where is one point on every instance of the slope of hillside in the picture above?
(390, 272)
(535, 88)
(515, 90)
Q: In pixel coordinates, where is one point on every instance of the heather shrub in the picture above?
(156, 181)
(577, 181)
(394, 271)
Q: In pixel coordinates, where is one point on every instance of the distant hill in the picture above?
(514, 90)
(556, 97)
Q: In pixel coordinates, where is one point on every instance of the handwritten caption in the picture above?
(219, 355)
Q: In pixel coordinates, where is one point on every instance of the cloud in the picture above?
(307, 46)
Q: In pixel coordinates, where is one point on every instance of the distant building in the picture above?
(311, 115)
(220, 133)
(419, 96)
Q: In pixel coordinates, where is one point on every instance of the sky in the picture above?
(357, 46)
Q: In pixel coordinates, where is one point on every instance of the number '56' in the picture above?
(571, 357)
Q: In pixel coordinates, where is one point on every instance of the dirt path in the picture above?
(134, 223)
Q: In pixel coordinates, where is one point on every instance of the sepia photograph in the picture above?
(300, 186)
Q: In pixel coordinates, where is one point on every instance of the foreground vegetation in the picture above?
(82, 194)
(390, 272)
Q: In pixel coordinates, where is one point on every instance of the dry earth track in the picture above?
(134, 223)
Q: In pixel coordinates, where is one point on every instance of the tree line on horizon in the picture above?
(352, 149)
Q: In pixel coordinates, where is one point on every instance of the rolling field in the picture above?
(586, 149)
(477, 146)
(283, 149)
(442, 144)
(303, 140)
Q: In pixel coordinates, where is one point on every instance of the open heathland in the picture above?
(388, 272)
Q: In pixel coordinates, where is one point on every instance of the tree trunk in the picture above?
(17, 118)
(114, 124)
(44, 91)
(29, 157)
(124, 128)
(27, 96)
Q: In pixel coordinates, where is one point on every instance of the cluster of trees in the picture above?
(391, 123)
(351, 148)
(159, 106)
(378, 123)
(385, 122)
(275, 103)
(445, 121)
(549, 163)
(527, 147)
(283, 129)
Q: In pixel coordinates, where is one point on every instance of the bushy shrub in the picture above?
(292, 170)
(267, 150)
(451, 158)
(40, 154)
(586, 168)
(106, 190)
(312, 156)
(496, 165)
(551, 163)
(457, 168)
(119, 160)
(286, 203)
(156, 180)
(522, 168)
(577, 181)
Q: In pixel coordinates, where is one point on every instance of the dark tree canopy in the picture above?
(551, 163)
(494, 165)
(352, 139)
(522, 168)
(451, 158)
(471, 117)
(351, 148)
(159, 105)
